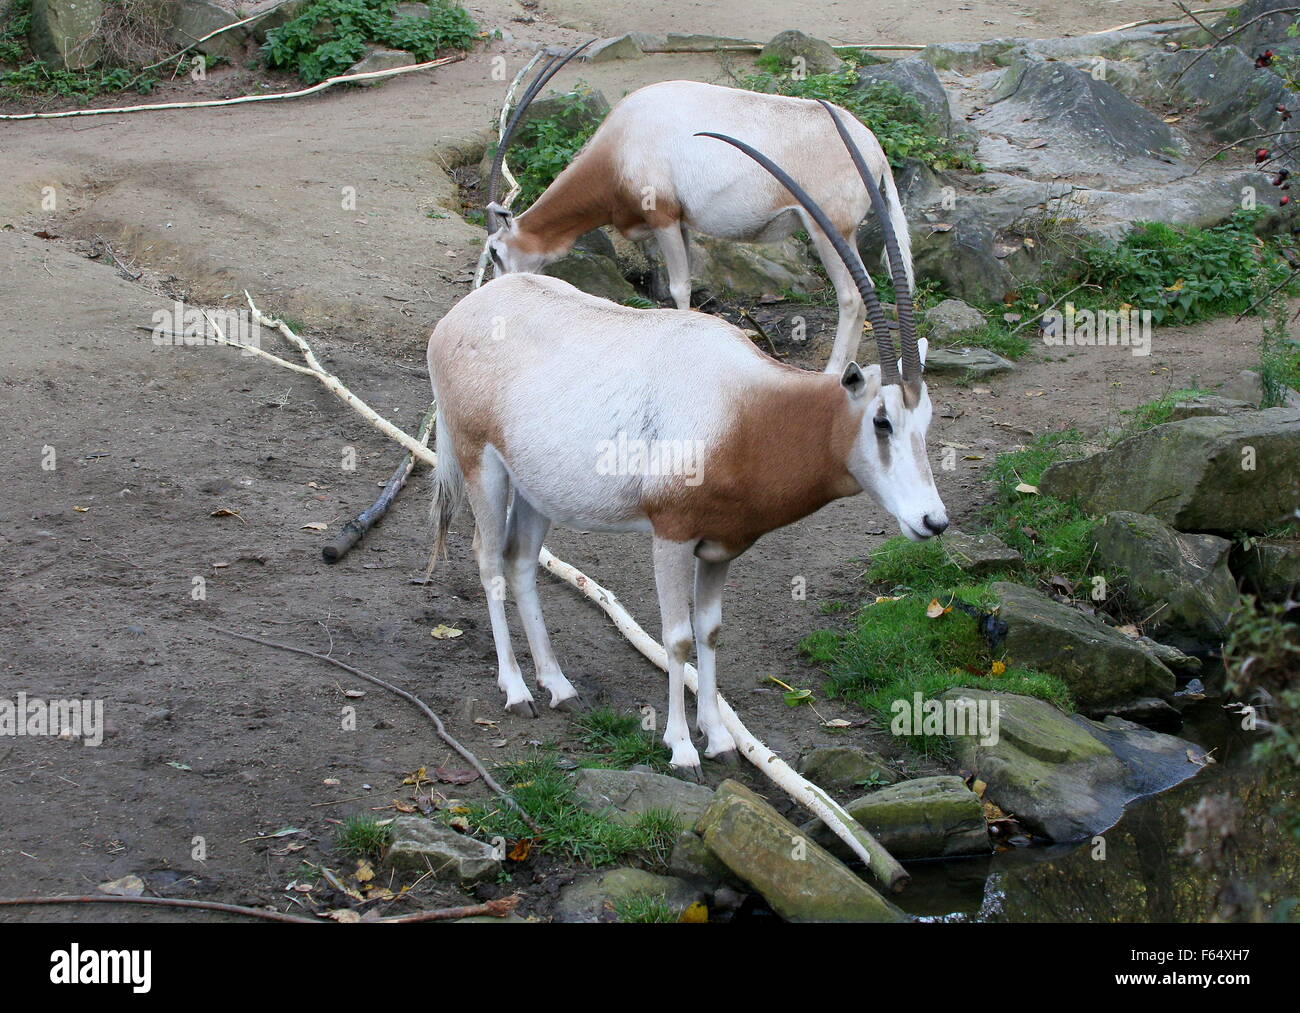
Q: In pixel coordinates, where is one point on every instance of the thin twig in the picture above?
(1236, 31)
(498, 908)
(372, 75)
(424, 708)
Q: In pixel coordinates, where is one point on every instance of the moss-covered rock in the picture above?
(982, 554)
(845, 767)
(1065, 776)
(787, 49)
(1215, 474)
(593, 273)
(928, 817)
(1100, 665)
(628, 794)
(1268, 567)
(593, 899)
(64, 33)
(1181, 581)
(800, 879)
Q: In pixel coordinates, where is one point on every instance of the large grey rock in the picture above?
(788, 48)
(63, 33)
(630, 794)
(965, 57)
(421, 845)
(279, 16)
(970, 363)
(1051, 119)
(801, 880)
(1248, 386)
(915, 77)
(1269, 567)
(692, 860)
(1215, 474)
(951, 318)
(1208, 404)
(1100, 665)
(929, 817)
(720, 267)
(193, 19)
(841, 767)
(624, 47)
(594, 274)
(980, 555)
(1181, 581)
(593, 899)
(1068, 777)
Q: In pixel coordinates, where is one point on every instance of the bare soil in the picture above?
(177, 463)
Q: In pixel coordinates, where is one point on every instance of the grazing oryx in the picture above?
(645, 172)
(605, 418)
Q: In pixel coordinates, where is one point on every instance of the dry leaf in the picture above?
(314, 526)
(1025, 487)
(696, 914)
(343, 914)
(227, 512)
(934, 610)
(520, 850)
(365, 872)
(441, 632)
(127, 886)
(998, 668)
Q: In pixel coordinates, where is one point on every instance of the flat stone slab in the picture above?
(966, 362)
(421, 845)
(629, 794)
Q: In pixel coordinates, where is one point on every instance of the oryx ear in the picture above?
(506, 216)
(853, 380)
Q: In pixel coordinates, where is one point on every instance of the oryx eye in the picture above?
(883, 426)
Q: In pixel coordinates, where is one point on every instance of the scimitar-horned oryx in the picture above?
(601, 417)
(646, 173)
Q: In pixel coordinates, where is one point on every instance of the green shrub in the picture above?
(331, 35)
(896, 118)
(544, 145)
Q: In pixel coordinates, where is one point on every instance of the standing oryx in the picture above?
(645, 172)
(537, 383)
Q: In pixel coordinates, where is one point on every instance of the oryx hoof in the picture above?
(728, 756)
(570, 705)
(522, 709)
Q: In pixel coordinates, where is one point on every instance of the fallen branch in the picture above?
(353, 531)
(424, 708)
(370, 75)
(498, 908)
(881, 864)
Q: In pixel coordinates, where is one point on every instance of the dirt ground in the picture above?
(220, 739)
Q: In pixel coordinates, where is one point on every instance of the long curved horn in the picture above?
(548, 70)
(902, 291)
(875, 312)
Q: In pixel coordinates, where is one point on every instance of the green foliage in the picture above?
(544, 145)
(1262, 657)
(896, 118)
(1157, 412)
(1279, 353)
(15, 22)
(1183, 273)
(546, 794)
(37, 78)
(618, 740)
(362, 836)
(331, 35)
(895, 650)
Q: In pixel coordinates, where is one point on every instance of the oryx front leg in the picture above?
(526, 530)
(674, 566)
(673, 245)
(853, 311)
(709, 581)
(489, 495)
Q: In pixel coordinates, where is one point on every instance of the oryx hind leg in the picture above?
(525, 531)
(489, 495)
(674, 569)
(710, 578)
(853, 311)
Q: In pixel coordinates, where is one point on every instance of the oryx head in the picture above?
(509, 255)
(888, 458)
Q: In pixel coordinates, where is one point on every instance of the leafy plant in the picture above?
(544, 144)
(897, 119)
(331, 35)
(1279, 353)
(15, 22)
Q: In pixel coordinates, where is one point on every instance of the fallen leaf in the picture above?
(227, 512)
(127, 886)
(696, 914)
(455, 776)
(837, 723)
(343, 914)
(998, 668)
(520, 850)
(365, 872)
(1025, 487)
(441, 632)
(314, 526)
(81, 510)
(354, 694)
(934, 610)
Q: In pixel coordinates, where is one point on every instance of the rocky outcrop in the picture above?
(968, 363)
(593, 273)
(1268, 567)
(378, 58)
(1181, 581)
(195, 19)
(63, 32)
(793, 50)
(980, 555)
(845, 767)
(929, 817)
(915, 77)
(1067, 777)
(1100, 665)
(1215, 474)
(952, 318)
